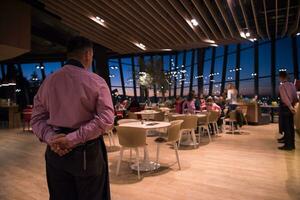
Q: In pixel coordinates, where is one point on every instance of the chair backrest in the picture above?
(131, 137)
(170, 117)
(123, 121)
(232, 115)
(189, 121)
(131, 115)
(159, 116)
(174, 130)
(213, 116)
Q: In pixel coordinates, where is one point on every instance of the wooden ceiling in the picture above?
(165, 24)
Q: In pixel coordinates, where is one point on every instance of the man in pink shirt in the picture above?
(288, 99)
(72, 109)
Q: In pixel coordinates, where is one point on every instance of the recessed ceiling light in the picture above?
(298, 34)
(242, 34)
(98, 20)
(194, 22)
(247, 34)
(209, 41)
(140, 45)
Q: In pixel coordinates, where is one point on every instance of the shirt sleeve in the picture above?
(102, 121)
(284, 96)
(39, 118)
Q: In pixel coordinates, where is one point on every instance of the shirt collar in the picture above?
(75, 63)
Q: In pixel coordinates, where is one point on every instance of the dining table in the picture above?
(147, 114)
(146, 164)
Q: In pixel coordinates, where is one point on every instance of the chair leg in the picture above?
(217, 129)
(119, 161)
(138, 162)
(194, 138)
(208, 133)
(199, 133)
(177, 156)
(109, 138)
(157, 155)
(180, 133)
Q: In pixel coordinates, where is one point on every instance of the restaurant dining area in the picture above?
(150, 99)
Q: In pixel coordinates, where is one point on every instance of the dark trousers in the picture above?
(287, 126)
(68, 179)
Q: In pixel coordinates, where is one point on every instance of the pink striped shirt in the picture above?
(75, 98)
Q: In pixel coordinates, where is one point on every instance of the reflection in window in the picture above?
(231, 67)
(127, 72)
(114, 73)
(205, 90)
(206, 71)
(32, 71)
(216, 89)
(51, 67)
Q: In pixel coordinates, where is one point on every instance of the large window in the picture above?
(264, 69)
(284, 55)
(183, 66)
(230, 68)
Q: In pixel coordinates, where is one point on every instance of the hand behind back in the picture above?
(60, 145)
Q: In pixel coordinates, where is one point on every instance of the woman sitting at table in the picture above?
(188, 105)
(134, 106)
(211, 105)
(178, 105)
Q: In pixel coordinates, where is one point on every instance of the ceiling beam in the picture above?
(266, 19)
(255, 20)
(205, 15)
(226, 19)
(213, 13)
(149, 17)
(286, 19)
(178, 19)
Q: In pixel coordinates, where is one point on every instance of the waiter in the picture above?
(288, 99)
(72, 109)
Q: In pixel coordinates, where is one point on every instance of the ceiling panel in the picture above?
(135, 26)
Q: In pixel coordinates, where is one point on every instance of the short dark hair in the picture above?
(283, 74)
(77, 44)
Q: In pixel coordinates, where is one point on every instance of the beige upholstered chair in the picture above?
(170, 117)
(110, 134)
(203, 125)
(232, 120)
(159, 116)
(173, 136)
(213, 121)
(189, 126)
(131, 138)
(131, 115)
